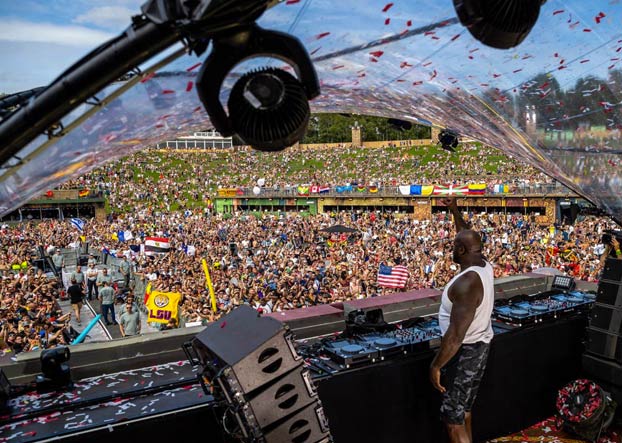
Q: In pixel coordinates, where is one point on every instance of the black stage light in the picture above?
(56, 373)
(448, 140)
(501, 24)
(563, 282)
(268, 107)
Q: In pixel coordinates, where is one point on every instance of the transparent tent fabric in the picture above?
(554, 101)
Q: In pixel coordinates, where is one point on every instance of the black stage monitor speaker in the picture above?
(306, 426)
(255, 350)
(250, 364)
(612, 270)
(604, 344)
(606, 317)
(609, 293)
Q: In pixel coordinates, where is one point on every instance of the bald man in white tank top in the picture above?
(465, 322)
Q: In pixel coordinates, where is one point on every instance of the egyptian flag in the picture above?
(156, 245)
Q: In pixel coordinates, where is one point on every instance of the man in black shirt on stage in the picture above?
(76, 296)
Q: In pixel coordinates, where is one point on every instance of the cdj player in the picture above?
(525, 310)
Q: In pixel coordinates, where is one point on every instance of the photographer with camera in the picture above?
(612, 248)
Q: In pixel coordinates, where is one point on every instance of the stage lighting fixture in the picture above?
(56, 373)
(563, 282)
(501, 24)
(268, 107)
(448, 140)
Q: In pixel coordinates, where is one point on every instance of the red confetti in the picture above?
(197, 109)
(168, 91)
(611, 66)
(426, 64)
(587, 30)
(338, 67)
(362, 75)
(373, 60)
(315, 51)
(387, 21)
(224, 323)
(322, 35)
(417, 83)
(292, 2)
(401, 81)
(619, 49)
(377, 54)
(517, 70)
(455, 37)
(189, 86)
(435, 37)
(148, 77)
(585, 61)
(434, 74)
(471, 57)
(409, 23)
(599, 17)
(387, 7)
(193, 67)
(429, 33)
(496, 75)
(405, 65)
(559, 11)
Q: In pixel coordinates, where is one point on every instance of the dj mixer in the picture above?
(524, 310)
(375, 346)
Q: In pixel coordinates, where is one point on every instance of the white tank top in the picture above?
(481, 327)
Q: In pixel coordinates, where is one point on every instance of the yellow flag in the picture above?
(208, 283)
(162, 306)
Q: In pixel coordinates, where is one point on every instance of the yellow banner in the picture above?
(162, 306)
(426, 190)
(227, 192)
(208, 283)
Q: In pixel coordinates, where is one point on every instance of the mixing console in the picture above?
(528, 310)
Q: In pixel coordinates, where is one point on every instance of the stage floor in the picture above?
(546, 432)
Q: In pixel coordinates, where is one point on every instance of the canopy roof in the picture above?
(553, 101)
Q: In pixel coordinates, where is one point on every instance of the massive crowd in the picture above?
(151, 178)
(273, 262)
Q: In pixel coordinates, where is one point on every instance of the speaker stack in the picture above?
(251, 368)
(603, 357)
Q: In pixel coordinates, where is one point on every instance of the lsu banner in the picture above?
(227, 192)
(162, 306)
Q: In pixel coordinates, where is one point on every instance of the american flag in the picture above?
(392, 276)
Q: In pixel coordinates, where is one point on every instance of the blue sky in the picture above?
(40, 38)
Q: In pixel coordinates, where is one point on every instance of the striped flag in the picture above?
(392, 276)
(156, 245)
(477, 188)
(78, 223)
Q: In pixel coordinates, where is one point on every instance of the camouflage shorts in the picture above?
(461, 377)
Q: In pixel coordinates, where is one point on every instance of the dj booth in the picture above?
(388, 400)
